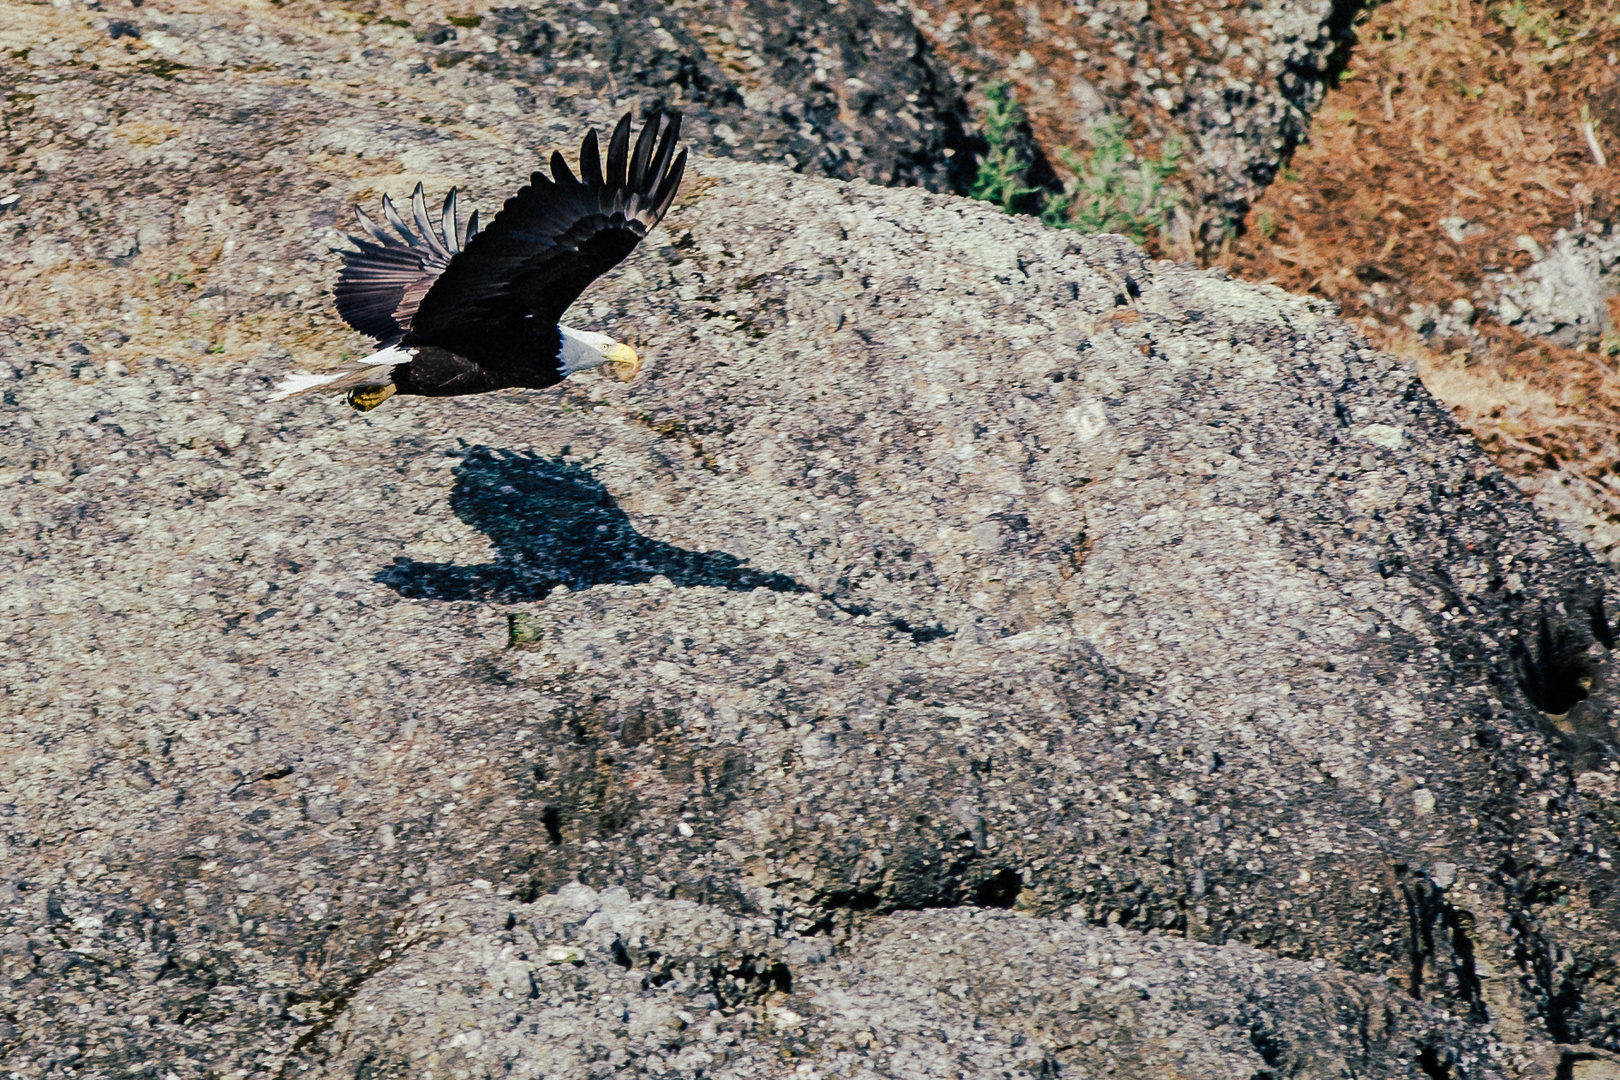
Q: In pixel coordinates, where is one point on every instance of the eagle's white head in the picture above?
(583, 349)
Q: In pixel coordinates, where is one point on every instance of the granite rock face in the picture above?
(941, 576)
(581, 984)
(857, 89)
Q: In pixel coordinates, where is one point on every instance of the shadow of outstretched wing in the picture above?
(553, 524)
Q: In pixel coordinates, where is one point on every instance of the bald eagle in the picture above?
(467, 311)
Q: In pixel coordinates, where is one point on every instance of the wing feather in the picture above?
(551, 240)
(560, 172)
(383, 282)
(447, 224)
(672, 184)
(394, 219)
(666, 152)
(590, 162)
(643, 156)
(424, 224)
(619, 152)
(372, 228)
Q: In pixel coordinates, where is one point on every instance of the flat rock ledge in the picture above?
(961, 631)
(584, 984)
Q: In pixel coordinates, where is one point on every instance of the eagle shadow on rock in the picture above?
(553, 524)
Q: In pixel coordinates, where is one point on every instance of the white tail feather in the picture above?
(297, 382)
(374, 370)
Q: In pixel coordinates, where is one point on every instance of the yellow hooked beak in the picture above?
(626, 364)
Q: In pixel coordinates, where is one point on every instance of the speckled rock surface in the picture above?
(581, 984)
(936, 561)
(1562, 296)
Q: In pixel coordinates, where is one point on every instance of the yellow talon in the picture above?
(366, 398)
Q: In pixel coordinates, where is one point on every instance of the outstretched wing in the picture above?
(554, 238)
(382, 283)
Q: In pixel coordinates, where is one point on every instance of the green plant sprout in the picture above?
(1526, 21)
(1110, 193)
(1113, 189)
(1004, 168)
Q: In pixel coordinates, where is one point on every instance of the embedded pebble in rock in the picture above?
(939, 570)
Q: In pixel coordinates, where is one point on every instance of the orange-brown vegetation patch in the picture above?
(1454, 109)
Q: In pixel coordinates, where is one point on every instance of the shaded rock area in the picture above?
(848, 90)
(842, 89)
(853, 89)
(942, 575)
(554, 526)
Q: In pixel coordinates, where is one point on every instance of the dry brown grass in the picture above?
(1460, 108)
